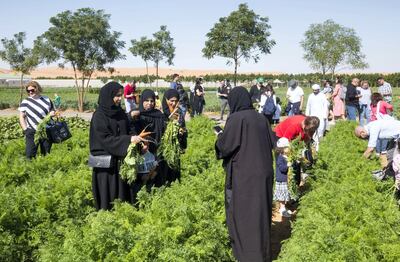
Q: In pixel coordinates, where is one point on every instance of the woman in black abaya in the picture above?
(172, 111)
(110, 135)
(246, 149)
(154, 121)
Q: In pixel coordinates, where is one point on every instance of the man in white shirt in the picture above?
(387, 128)
(317, 105)
(295, 95)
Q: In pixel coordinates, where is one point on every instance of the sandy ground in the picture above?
(52, 72)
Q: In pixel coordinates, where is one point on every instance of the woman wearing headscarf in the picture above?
(198, 100)
(170, 105)
(154, 121)
(109, 135)
(246, 146)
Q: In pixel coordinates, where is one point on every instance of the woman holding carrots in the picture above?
(109, 139)
(152, 120)
(170, 105)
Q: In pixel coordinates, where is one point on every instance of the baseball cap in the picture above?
(315, 87)
(283, 142)
(260, 80)
(293, 83)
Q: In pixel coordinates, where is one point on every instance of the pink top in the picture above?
(383, 108)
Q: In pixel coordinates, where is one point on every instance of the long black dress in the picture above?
(109, 135)
(174, 174)
(246, 148)
(154, 121)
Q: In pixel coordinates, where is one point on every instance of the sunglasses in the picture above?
(30, 91)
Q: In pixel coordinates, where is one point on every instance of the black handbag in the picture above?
(101, 161)
(57, 131)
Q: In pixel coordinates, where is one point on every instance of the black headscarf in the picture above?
(239, 99)
(152, 119)
(146, 94)
(106, 102)
(168, 95)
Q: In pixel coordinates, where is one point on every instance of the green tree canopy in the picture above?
(241, 35)
(330, 45)
(20, 58)
(143, 48)
(156, 50)
(84, 40)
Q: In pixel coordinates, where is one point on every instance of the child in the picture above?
(277, 114)
(57, 102)
(158, 101)
(281, 193)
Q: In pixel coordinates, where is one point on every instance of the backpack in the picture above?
(343, 92)
(269, 106)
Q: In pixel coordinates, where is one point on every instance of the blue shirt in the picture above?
(173, 85)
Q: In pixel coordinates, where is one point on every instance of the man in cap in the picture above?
(295, 95)
(317, 105)
(257, 90)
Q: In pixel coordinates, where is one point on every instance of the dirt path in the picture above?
(281, 227)
(68, 113)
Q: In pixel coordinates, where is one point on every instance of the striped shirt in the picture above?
(35, 109)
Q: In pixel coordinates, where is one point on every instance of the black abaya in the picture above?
(246, 148)
(109, 135)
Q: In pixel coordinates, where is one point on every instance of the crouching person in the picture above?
(387, 128)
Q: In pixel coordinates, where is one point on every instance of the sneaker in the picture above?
(379, 176)
(285, 213)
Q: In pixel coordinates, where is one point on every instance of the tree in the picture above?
(329, 45)
(241, 35)
(84, 40)
(20, 58)
(155, 50)
(143, 48)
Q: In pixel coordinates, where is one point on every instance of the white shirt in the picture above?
(382, 129)
(317, 105)
(294, 95)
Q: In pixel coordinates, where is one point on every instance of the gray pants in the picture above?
(224, 104)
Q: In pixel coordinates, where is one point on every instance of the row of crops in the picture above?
(347, 215)
(47, 212)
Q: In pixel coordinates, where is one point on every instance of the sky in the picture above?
(375, 22)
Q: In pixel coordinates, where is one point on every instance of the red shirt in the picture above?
(291, 128)
(128, 90)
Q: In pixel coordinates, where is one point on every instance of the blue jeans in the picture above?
(381, 145)
(183, 110)
(294, 109)
(351, 112)
(365, 112)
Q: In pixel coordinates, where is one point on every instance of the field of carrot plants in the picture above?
(47, 212)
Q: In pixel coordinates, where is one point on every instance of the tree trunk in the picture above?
(333, 74)
(21, 92)
(76, 86)
(87, 86)
(147, 73)
(81, 93)
(235, 77)
(157, 76)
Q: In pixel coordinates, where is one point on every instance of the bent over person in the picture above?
(32, 111)
(246, 149)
